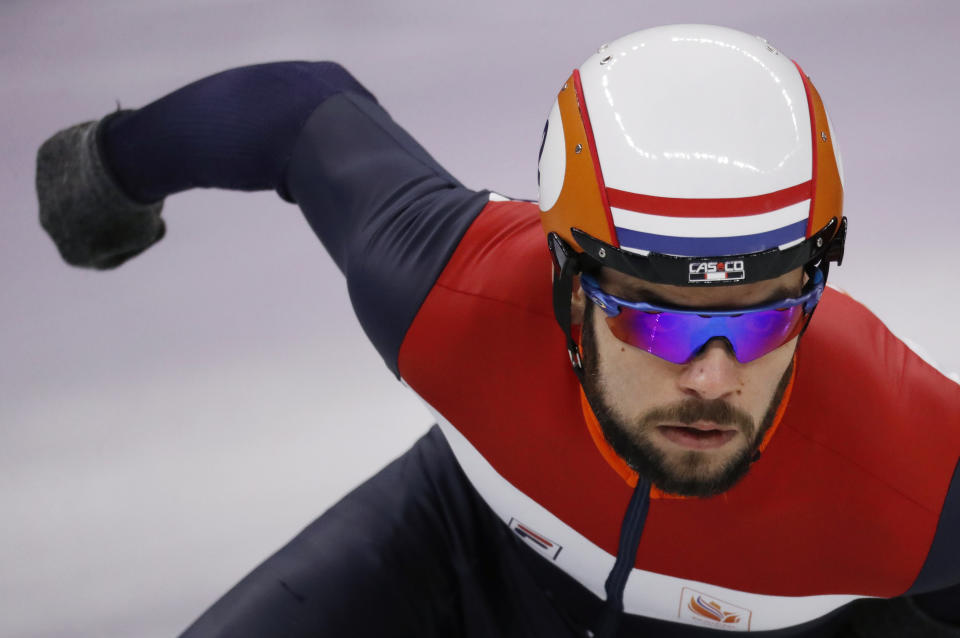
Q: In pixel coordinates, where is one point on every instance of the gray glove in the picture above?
(896, 618)
(82, 207)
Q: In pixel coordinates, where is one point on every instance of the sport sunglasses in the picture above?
(678, 334)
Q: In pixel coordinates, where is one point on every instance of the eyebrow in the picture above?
(639, 293)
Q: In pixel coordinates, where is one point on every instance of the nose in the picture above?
(713, 374)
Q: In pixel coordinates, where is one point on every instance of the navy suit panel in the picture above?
(414, 551)
(943, 562)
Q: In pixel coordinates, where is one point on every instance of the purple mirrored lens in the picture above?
(677, 337)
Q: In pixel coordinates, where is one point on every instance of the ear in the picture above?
(578, 303)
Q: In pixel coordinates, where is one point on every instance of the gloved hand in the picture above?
(82, 207)
(894, 618)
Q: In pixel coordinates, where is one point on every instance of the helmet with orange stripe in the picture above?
(691, 155)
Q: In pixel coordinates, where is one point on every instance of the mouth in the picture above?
(702, 435)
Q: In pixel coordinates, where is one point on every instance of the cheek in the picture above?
(762, 376)
(631, 377)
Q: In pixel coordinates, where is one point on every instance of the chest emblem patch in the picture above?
(535, 540)
(702, 609)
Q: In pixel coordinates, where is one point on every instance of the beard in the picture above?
(688, 473)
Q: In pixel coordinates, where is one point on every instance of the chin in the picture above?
(702, 469)
(693, 465)
(693, 473)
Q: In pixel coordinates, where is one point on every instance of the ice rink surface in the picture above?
(166, 426)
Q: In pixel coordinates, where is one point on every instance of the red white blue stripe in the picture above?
(698, 227)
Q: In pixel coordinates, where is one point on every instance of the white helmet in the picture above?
(691, 155)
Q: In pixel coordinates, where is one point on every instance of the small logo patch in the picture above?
(707, 271)
(708, 611)
(537, 541)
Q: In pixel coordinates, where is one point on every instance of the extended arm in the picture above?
(387, 212)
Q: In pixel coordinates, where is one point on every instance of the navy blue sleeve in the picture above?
(234, 129)
(389, 215)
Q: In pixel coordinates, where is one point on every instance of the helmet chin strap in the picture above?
(566, 266)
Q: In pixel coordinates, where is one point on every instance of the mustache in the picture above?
(692, 410)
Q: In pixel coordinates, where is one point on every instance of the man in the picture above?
(704, 457)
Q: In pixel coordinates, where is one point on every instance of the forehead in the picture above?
(707, 296)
